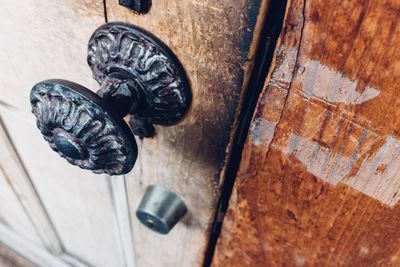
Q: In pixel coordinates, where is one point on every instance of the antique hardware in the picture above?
(160, 209)
(138, 75)
(140, 6)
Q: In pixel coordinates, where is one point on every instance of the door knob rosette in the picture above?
(138, 75)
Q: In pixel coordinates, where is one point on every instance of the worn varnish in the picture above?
(215, 42)
(319, 177)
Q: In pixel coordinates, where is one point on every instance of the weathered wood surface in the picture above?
(215, 41)
(319, 179)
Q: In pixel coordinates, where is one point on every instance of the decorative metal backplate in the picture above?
(82, 127)
(154, 73)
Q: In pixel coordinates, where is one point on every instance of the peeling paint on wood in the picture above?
(262, 131)
(284, 70)
(320, 82)
(376, 177)
(323, 190)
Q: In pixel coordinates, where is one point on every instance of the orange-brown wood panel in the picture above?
(319, 178)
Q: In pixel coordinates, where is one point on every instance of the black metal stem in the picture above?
(122, 94)
(127, 97)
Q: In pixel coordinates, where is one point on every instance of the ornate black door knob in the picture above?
(138, 75)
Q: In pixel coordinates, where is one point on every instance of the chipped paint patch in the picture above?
(378, 176)
(320, 161)
(320, 82)
(262, 131)
(284, 70)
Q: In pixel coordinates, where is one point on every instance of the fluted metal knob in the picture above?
(138, 75)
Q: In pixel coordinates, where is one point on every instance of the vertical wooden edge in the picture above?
(253, 48)
(123, 218)
(254, 44)
(284, 60)
(282, 42)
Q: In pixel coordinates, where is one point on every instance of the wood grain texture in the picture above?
(215, 42)
(319, 177)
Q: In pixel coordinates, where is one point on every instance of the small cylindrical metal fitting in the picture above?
(160, 209)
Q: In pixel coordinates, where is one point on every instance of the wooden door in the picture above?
(59, 215)
(319, 178)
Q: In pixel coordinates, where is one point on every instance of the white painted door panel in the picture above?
(79, 203)
(77, 215)
(44, 39)
(12, 213)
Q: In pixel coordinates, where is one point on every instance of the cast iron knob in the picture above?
(138, 75)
